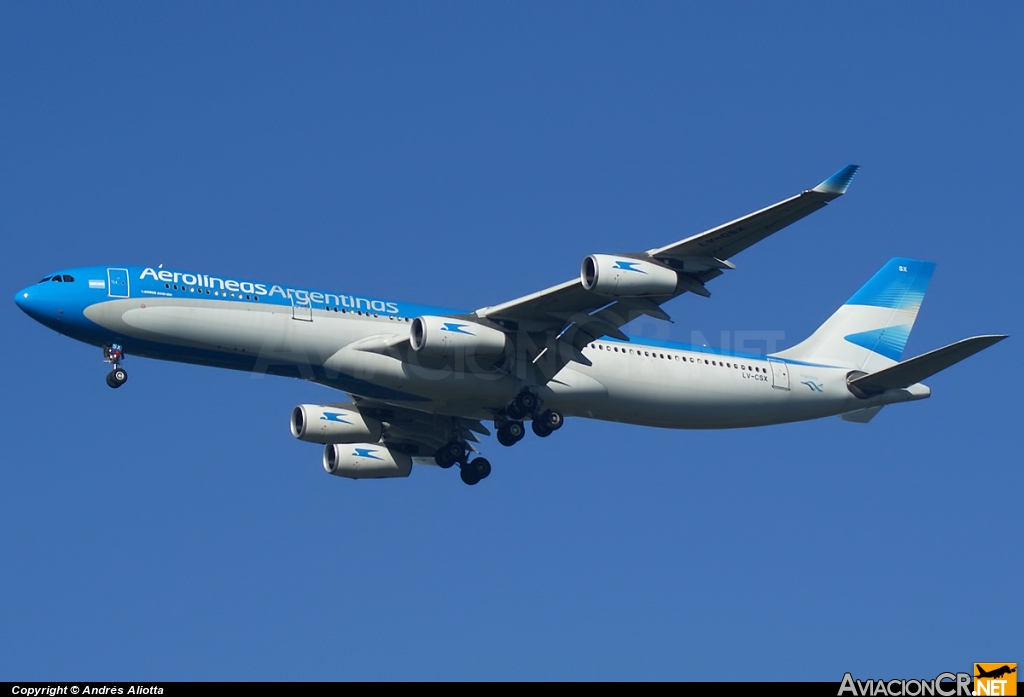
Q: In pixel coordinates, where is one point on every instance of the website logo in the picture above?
(995, 679)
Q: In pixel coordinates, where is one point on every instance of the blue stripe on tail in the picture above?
(889, 341)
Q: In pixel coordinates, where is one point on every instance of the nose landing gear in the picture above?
(113, 354)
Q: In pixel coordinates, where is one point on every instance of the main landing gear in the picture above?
(456, 453)
(526, 404)
(113, 354)
(509, 424)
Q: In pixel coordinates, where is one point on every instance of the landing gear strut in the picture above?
(113, 354)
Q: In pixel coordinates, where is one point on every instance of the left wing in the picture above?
(561, 320)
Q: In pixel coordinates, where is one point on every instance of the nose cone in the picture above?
(33, 302)
(23, 299)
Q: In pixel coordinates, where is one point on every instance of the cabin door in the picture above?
(780, 374)
(302, 310)
(117, 283)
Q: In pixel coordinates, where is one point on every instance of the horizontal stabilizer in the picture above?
(913, 371)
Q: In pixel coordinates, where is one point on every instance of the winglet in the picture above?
(839, 182)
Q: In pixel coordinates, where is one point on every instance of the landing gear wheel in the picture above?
(540, 428)
(468, 477)
(505, 438)
(511, 433)
(479, 468)
(117, 377)
(515, 413)
(552, 419)
(456, 451)
(526, 402)
(450, 453)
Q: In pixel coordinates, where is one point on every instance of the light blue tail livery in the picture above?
(899, 285)
(870, 331)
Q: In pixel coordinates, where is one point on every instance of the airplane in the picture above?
(995, 673)
(422, 380)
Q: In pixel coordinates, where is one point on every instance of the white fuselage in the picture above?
(672, 386)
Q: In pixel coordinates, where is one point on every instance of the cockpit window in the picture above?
(57, 279)
(68, 279)
(44, 280)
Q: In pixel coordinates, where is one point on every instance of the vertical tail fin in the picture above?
(869, 332)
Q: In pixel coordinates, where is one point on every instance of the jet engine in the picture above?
(316, 423)
(622, 277)
(365, 461)
(447, 338)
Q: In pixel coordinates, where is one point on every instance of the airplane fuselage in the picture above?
(354, 343)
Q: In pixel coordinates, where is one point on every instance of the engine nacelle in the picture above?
(446, 338)
(621, 277)
(316, 423)
(365, 461)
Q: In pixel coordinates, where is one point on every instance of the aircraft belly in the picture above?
(269, 333)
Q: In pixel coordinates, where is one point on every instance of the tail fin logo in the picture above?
(995, 679)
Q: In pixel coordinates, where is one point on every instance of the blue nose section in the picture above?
(37, 302)
(23, 299)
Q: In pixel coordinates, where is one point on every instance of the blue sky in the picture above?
(461, 155)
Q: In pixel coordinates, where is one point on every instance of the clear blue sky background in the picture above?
(461, 155)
